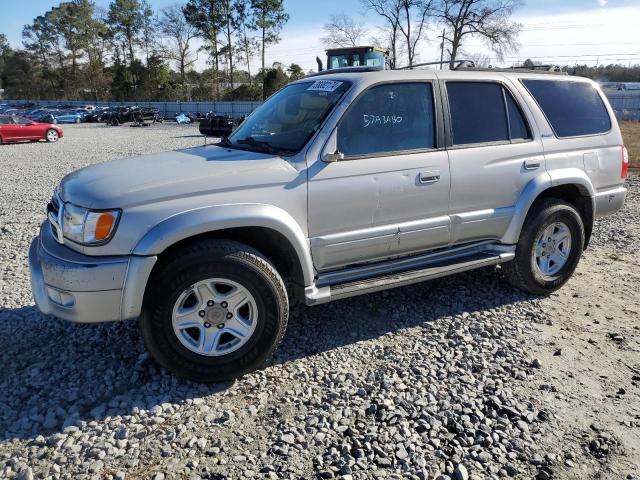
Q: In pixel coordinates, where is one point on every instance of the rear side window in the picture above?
(572, 108)
(389, 118)
(484, 112)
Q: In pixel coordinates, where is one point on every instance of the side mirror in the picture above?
(333, 157)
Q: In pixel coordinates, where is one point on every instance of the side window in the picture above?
(484, 112)
(517, 125)
(20, 120)
(572, 108)
(389, 118)
(4, 121)
(477, 112)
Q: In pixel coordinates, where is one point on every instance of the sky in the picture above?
(554, 31)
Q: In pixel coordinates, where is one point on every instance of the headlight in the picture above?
(88, 227)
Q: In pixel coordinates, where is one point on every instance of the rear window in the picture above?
(572, 108)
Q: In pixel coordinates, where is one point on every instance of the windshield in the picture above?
(288, 119)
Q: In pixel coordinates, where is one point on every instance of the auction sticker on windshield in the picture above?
(325, 85)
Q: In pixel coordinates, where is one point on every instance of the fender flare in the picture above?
(209, 219)
(537, 186)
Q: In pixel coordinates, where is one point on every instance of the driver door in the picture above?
(389, 195)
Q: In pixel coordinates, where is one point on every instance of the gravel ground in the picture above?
(459, 378)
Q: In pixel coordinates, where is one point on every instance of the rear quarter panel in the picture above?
(598, 156)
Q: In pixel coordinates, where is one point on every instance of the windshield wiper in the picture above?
(255, 143)
(264, 146)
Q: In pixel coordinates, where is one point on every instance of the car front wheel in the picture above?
(549, 248)
(52, 136)
(215, 311)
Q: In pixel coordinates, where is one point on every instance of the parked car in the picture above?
(72, 116)
(18, 129)
(46, 116)
(120, 115)
(218, 125)
(97, 114)
(340, 184)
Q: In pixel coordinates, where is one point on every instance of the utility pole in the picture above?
(441, 48)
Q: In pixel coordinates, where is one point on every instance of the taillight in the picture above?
(625, 163)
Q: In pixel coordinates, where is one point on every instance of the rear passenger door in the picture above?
(389, 195)
(494, 151)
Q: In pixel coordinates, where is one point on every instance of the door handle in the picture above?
(428, 177)
(531, 164)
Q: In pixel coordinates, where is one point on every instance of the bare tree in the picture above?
(487, 19)
(390, 11)
(415, 14)
(342, 31)
(179, 33)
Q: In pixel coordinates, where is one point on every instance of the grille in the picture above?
(53, 214)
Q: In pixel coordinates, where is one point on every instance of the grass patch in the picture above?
(631, 136)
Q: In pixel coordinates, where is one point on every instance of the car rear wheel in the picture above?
(214, 312)
(114, 122)
(549, 248)
(51, 136)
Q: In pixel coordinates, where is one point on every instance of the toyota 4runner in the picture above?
(338, 185)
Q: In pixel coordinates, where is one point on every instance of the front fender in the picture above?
(535, 187)
(208, 219)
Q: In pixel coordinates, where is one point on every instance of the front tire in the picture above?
(214, 312)
(549, 249)
(51, 136)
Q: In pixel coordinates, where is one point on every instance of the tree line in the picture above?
(129, 51)
(405, 24)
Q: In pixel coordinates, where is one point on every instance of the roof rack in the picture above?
(553, 69)
(462, 63)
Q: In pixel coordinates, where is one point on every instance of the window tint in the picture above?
(477, 112)
(517, 125)
(484, 112)
(20, 120)
(572, 108)
(389, 118)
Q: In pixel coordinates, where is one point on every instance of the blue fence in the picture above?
(626, 104)
(167, 109)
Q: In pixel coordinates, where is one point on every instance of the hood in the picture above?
(168, 175)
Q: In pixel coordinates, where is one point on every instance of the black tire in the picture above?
(199, 261)
(523, 272)
(114, 122)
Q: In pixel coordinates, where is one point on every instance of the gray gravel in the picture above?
(419, 382)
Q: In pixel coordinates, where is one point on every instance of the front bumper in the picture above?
(83, 288)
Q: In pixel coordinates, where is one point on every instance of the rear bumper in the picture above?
(609, 201)
(82, 288)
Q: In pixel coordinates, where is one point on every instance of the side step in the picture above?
(316, 295)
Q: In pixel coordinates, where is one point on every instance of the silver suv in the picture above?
(338, 185)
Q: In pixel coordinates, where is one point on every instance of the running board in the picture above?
(316, 295)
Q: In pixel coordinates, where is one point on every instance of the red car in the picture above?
(18, 129)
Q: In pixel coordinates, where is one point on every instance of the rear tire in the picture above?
(114, 122)
(189, 328)
(549, 249)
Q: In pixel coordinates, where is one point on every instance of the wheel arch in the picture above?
(268, 229)
(571, 185)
